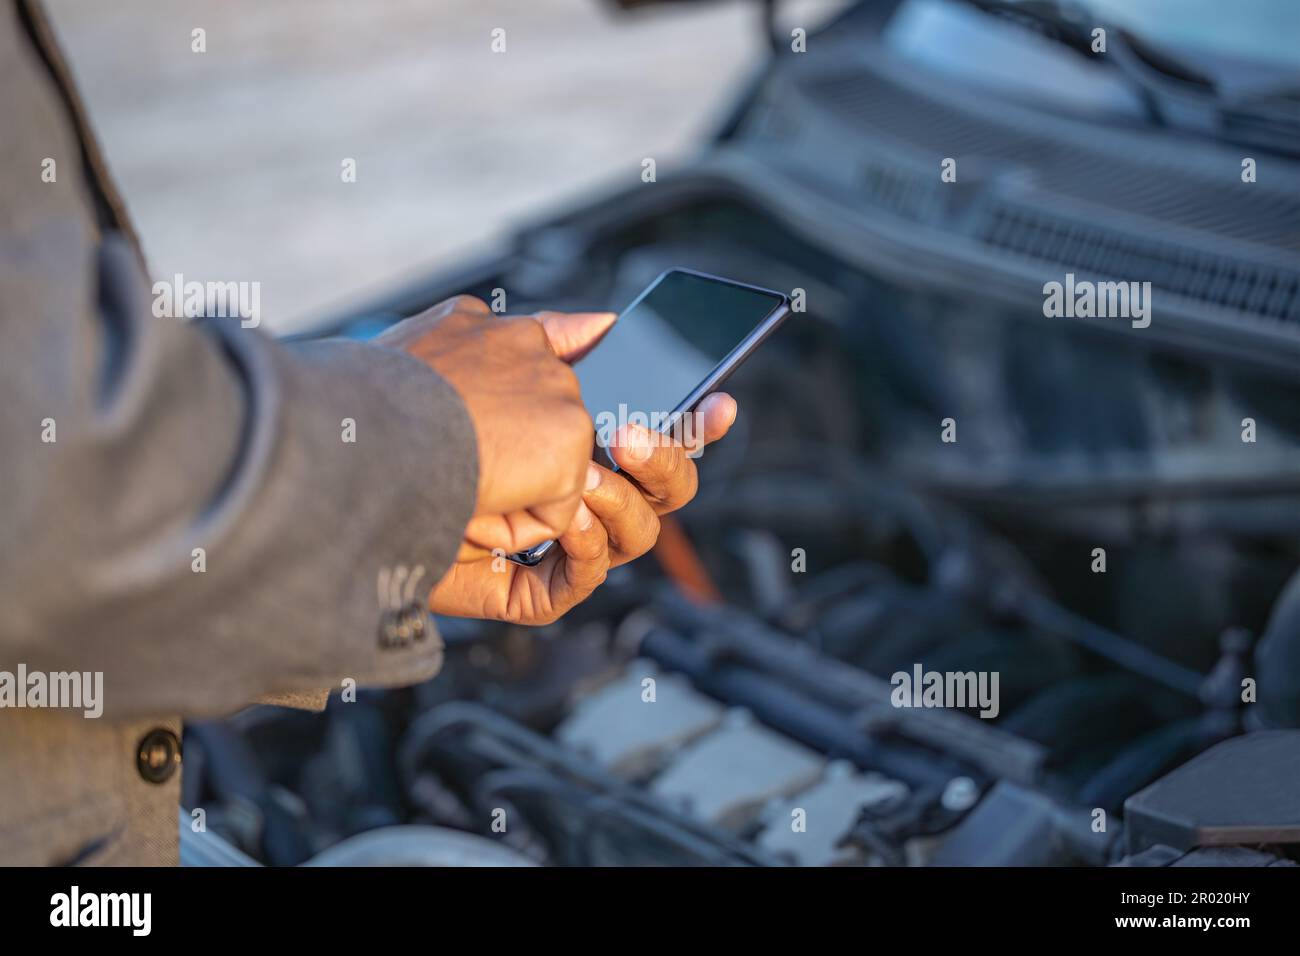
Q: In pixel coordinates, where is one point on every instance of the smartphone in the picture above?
(676, 343)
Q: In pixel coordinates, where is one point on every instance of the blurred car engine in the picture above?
(728, 700)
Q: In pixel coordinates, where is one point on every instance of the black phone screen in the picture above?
(664, 345)
(668, 346)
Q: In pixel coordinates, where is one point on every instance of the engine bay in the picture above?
(929, 476)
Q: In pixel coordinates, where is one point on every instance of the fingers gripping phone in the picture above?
(676, 343)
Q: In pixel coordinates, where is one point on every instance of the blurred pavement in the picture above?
(230, 159)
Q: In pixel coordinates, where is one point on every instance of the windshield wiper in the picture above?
(1175, 93)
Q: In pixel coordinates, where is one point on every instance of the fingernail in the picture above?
(593, 476)
(584, 517)
(638, 443)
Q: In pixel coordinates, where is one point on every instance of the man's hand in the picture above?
(664, 473)
(536, 477)
(616, 522)
(534, 435)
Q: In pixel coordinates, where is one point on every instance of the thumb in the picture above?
(573, 334)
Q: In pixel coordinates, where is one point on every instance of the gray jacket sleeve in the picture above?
(200, 513)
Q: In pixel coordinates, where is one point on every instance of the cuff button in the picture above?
(393, 631)
(158, 755)
(418, 621)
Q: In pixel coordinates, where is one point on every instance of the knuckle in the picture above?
(508, 612)
(578, 425)
(597, 561)
(467, 304)
(669, 458)
(567, 379)
(592, 579)
(646, 531)
(528, 331)
(649, 533)
(685, 480)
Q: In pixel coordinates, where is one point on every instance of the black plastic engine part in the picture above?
(1015, 826)
(1244, 791)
